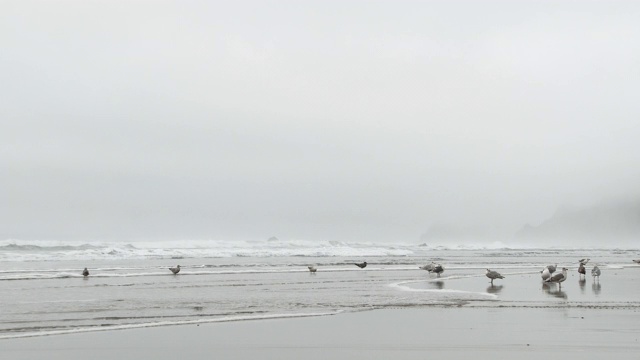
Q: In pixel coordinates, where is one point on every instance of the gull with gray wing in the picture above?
(582, 270)
(438, 269)
(175, 270)
(491, 274)
(559, 278)
(428, 267)
(595, 272)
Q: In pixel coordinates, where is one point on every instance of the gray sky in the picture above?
(346, 120)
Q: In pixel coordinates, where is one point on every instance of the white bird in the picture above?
(312, 269)
(175, 270)
(595, 272)
(545, 273)
(583, 261)
(559, 278)
(493, 275)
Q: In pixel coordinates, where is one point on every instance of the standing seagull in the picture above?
(582, 270)
(583, 261)
(545, 273)
(493, 275)
(362, 265)
(175, 270)
(312, 269)
(559, 278)
(595, 272)
(438, 269)
(85, 272)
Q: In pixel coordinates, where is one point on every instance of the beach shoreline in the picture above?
(453, 332)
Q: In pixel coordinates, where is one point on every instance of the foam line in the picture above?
(168, 323)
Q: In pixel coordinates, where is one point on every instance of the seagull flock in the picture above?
(548, 273)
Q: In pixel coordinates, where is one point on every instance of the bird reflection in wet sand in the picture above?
(494, 289)
(581, 282)
(596, 288)
(554, 291)
(438, 284)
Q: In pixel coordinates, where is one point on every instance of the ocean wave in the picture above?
(16, 250)
(47, 250)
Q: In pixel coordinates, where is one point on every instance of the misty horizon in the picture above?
(318, 121)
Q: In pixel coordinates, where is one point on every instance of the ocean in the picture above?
(130, 285)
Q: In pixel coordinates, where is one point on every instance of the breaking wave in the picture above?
(47, 250)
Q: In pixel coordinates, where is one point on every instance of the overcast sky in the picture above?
(345, 120)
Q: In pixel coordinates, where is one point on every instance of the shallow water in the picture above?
(50, 296)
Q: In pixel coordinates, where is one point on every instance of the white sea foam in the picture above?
(167, 323)
(445, 293)
(49, 250)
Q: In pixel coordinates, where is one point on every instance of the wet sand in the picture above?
(445, 332)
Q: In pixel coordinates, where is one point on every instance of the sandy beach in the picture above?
(445, 332)
(276, 309)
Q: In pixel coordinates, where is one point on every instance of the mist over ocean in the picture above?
(136, 136)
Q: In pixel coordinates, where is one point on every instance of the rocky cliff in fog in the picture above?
(611, 222)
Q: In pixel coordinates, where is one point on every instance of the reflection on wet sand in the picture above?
(552, 290)
(582, 282)
(438, 284)
(494, 289)
(596, 288)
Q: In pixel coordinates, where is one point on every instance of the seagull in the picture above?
(438, 269)
(428, 267)
(545, 273)
(636, 261)
(493, 275)
(552, 268)
(595, 272)
(583, 261)
(361, 266)
(85, 272)
(312, 269)
(559, 278)
(582, 270)
(175, 270)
